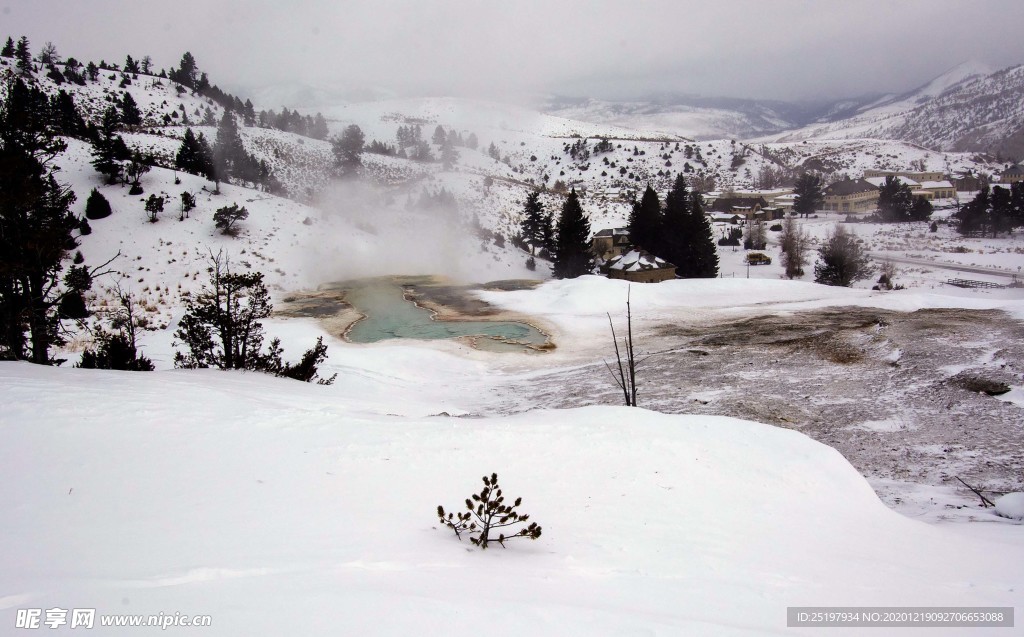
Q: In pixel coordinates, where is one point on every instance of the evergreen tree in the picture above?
(319, 129)
(810, 194)
(131, 65)
(249, 113)
(702, 241)
(228, 153)
(532, 225)
(645, 222)
(448, 155)
(187, 157)
(348, 149)
(973, 218)
(1001, 213)
(24, 57)
(67, 119)
(37, 228)
(226, 217)
(186, 75)
(675, 227)
(188, 203)
(136, 166)
(1017, 203)
(130, 114)
(97, 206)
(222, 328)
(8, 50)
(547, 232)
(439, 135)
(92, 71)
(895, 200)
(572, 241)
(109, 149)
(154, 206)
(195, 155)
(921, 209)
(841, 260)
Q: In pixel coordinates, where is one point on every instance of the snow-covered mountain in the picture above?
(968, 108)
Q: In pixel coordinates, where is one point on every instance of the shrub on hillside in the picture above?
(97, 206)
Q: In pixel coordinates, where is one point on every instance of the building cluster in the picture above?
(851, 196)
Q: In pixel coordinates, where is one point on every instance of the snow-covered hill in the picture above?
(275, 507)
(968, 108)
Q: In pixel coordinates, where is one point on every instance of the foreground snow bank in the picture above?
(277, 509)
(1011, 506)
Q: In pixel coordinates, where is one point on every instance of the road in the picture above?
(939, 265)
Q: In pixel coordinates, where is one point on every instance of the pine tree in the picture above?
(572, 241)
(24, 57)
(810, 194)
(547, 232)
(92, 71)
(645, 223)
(921, 210)
(8, 50)
(228, 152)
(37, 228)
(841, 260)
(319, 129)
(226, 217)
(973, 218)
(675, 227)
(895, 200)
(348, 149)
(154, 206)
(97, 206)
(222, 328)
(130, 65)
(448, 155)
(1017, 204)
(439, 135)
(130, 114)
(67, 119)
(702, 241)
(532, 225)
(1001, 214)
(187, 157)
(186, 74)
(109, 149)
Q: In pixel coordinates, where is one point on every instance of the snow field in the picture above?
(275, 507)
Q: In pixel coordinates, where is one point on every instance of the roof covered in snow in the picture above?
(638, 260)
(878, 182)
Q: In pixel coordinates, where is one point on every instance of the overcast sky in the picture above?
(773, 49)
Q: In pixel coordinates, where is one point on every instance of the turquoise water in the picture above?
(389, 315)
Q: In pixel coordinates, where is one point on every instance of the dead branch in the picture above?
(985, 502)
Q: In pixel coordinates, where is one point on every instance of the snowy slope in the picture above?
(688, 120)
(969, 108)
(280, 508)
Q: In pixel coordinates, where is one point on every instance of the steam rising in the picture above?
(369, 231)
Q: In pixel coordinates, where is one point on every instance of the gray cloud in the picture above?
(779, 49)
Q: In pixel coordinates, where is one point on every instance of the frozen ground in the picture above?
(890, 391)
